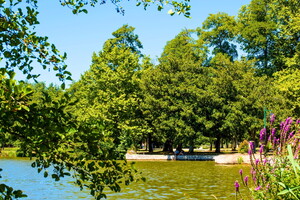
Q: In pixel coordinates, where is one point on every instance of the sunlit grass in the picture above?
(8, 152)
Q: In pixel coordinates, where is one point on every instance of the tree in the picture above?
(124, 37)
(219, 32)
(172, 91)
(108, 91)
(239, 96)
(269, 33)
(288, 82)
(185, 46)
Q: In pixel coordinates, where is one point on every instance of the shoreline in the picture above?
(236, 158)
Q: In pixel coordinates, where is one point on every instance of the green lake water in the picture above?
(165, 180)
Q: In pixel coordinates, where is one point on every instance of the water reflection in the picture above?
(183, 180)
(165, 180)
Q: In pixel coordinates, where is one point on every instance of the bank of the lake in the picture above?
(165, 180)
(233, 158)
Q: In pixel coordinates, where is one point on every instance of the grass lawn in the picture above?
(8, 152)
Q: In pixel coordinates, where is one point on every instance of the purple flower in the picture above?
(250, 151)
(281, 125)
(269, 139)
(253, 172)
(272, 118)
(256, 161)
(265, 161)
(262, 134)
(251, 147)
(291, 134)
(285, 127)
(254, 178)
(246, 180)
(237, 186)
(261, 150)
(251, 143)
(258, 188)
(273, 132)
(298, 121)
(241, 172)
(274, 141)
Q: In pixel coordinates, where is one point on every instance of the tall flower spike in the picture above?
(287, 124)
(251, 145)
(262, 134)
(246, 180)
(273, 132)
(261, 150)
(237, 186)
(272, 118)
(257, 161)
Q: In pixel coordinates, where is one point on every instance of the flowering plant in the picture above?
(275, 169)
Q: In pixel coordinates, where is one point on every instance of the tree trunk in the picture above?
(192, 144)
(233, 146)
(211, 146)
(150, 143)
(179, 147)
(222, 143)
(191, 149)
(218, 144)
(168, 146)
(226, 144)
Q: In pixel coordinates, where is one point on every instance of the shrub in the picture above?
(275, 175)
(243, 147)
(240, 160)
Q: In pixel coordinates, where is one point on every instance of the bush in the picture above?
(275, 176)
(243, 147)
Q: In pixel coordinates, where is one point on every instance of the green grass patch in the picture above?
(9, 152)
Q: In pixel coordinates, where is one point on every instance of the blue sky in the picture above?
(81, 35)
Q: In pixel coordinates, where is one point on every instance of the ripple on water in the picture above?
(165, 180)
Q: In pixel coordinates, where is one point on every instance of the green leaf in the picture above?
(63, 86)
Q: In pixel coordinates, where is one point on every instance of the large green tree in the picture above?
(240, 97)
(108, 91)
(269, 32)
(172, 91)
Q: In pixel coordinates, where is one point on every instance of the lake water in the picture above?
(165, 180)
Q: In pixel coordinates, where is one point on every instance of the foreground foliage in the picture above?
(59, 144)
(275, 175)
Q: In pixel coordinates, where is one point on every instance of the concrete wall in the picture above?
(168, 157)
(219, 159)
